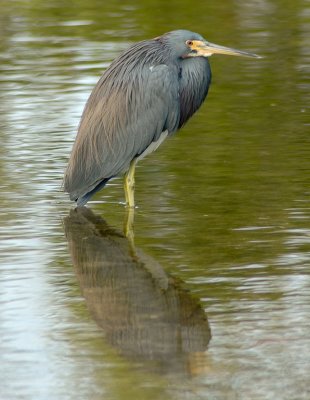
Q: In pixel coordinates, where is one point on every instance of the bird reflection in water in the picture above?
(143, 312)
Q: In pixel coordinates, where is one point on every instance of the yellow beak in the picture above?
(206, 49)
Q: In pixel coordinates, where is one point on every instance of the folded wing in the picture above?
(126, 112)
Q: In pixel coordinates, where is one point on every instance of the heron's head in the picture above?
(185, 44)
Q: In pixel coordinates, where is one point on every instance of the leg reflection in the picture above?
(129, 225)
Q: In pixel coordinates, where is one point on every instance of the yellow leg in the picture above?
(129, 185)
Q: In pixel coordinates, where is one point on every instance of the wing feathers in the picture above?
(121, 119)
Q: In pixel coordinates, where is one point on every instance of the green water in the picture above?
(213, 300)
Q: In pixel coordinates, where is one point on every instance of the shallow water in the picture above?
(212, 299)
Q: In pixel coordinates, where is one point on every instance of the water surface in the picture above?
(212, 299)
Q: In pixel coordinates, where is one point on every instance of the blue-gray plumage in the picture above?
(145, 95)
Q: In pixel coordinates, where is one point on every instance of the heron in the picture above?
(146, 94)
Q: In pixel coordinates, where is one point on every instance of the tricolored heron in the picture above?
(145, 95)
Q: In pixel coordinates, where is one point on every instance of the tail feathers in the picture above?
(81, 201)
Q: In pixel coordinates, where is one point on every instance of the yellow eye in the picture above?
(189, 42)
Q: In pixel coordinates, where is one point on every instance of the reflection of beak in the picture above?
(206, 49)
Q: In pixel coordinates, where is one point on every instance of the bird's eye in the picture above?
(189, 42)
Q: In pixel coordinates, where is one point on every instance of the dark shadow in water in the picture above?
(143, 312)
